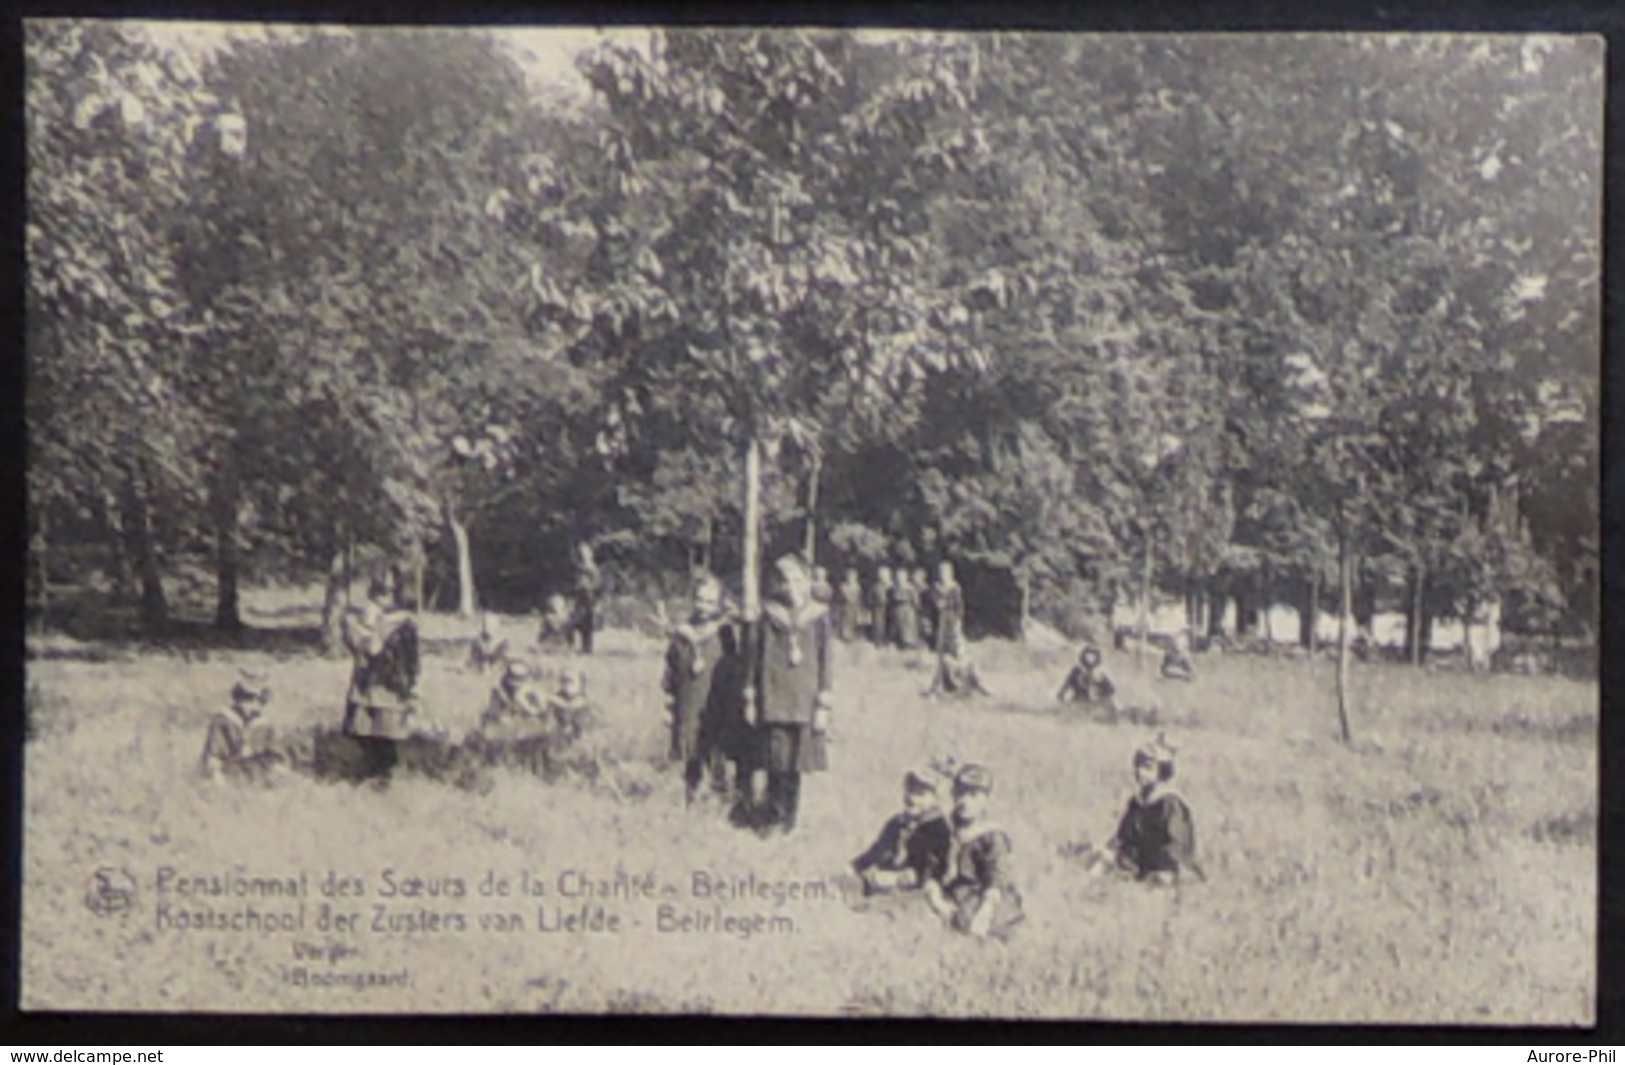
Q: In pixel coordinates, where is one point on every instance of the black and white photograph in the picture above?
(811, 522)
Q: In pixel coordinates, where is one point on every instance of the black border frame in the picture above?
(56, 1029)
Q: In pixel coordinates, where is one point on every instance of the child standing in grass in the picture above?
(878, 594)
(906, 610)
(846, 607)
(701, 665)
(912, 848)
(928, 608)
(979, 896)
(558, 625)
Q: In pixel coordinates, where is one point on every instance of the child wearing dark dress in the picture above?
(1156, 837)
(912, 848)
(1087, 681)
(978, 896)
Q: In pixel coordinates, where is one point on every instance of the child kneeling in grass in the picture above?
(238, 747)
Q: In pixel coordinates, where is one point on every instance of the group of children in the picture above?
(380, 705)
(1089, 682)
(904, 609)
(518, 704)
(899, 608)
(960, 860)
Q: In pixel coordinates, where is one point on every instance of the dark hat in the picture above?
(1090, 654)
(973, 778)
(518, 669)
(920, 780)
(1157, 752)
(251, 684)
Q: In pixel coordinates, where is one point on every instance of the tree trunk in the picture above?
(1427, 631)
(1314, 611)
(751, 577)
(1345, 608)
(120, 568)
(1415, 638)
(1215, 613)
(1145, 602)
(1365, 599)
(42, 572)
(333, 603)
(1024, 591)
(466, 600)
(418, 563)
(1246, 611)
(750, 585)
(143, 553)
(227, 555)
(812, 510)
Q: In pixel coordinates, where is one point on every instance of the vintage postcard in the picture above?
(812, 522)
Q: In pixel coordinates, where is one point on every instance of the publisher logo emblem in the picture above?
(111, 891)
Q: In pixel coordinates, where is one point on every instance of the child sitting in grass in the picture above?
(487, 652)
(1156, 837)
(514, 699)
(912, 848)
(557, 626)
(236, 747)
(1176, 660)
(978, 895)
(571, 711)
(1088, 681)
(956, 676)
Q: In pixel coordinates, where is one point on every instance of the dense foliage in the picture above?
(1081, 313)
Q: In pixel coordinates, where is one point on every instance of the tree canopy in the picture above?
(1093, 313)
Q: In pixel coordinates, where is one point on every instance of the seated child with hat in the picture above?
(571, 712)
(514, 698)
(978, 895)
(1156, 837)
(236, 747)
(1087, 681)
(912, 848)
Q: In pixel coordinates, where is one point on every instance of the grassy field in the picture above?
(1441, 870)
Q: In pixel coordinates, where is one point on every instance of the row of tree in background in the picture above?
(1239, 318)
